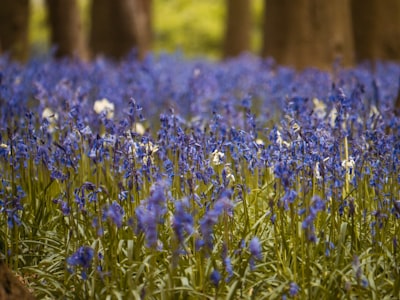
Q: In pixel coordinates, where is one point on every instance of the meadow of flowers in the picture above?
(175, 179)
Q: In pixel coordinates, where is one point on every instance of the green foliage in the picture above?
(190, 26)
(38, 29)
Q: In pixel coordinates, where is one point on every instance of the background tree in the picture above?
(376, 26)
(238, 27)
(306, 33)
(66, 28)
(144, 25)
(14, 20)
(118, 26)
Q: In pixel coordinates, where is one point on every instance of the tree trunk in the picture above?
(238, 27)
(376, 26)
(14, 21)
(118, 26)
(66, 28)
(308, 33)
(143, 24)
(113, 27)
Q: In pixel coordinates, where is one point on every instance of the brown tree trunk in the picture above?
(14, 21)
(118, 26)
(66, 28)
(308, 33)
(143, 23)
(238, 27)
(376, 26)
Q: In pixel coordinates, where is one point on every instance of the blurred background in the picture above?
(301, 33)
(196, 28)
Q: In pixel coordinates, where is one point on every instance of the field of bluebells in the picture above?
(175, 179)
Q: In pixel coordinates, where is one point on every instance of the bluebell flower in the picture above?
(157, 199)
(317, 205)
(328, 247)
(182, 221)
(228, 267)
(293, 289)
(288, 198)
(150, 213)
(255, 248)
(115, 213)
(66, 210)
(273, 218)
(359, 272)
(82, 257)
(13, 219)
(223, 205)
(147, 222)
(364, 283)
(96, 225)
(215, 278)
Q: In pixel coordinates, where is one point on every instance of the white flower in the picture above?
(319, 108)
(260, 142)
(217, 157)
(150, 147)
(104, 105)
(374, 111)
(333, 115)
(196, 72)
(317, 172)
(138, 128)
(348, 165)
(49, 115)
(6, 148)
(150, 150)
(280, 141)
(229, 173)
(296, 127)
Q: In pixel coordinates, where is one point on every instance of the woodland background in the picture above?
(297, 33)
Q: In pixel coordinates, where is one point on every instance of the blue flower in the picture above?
(293, 289)
(147, 222)
(223, 205)
(82, 257)
(182, 221)
(65, 208)
(317, 205)
(228, 267)
(115, 213)
(255, 248)
(215, 278)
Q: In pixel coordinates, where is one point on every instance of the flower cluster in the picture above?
(161, 159)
